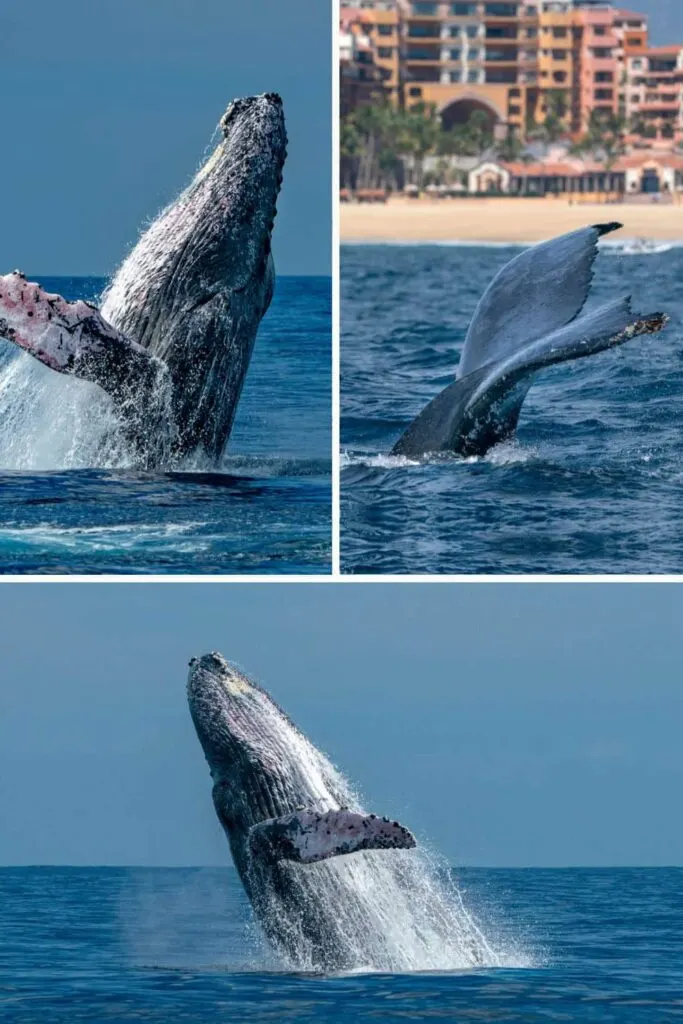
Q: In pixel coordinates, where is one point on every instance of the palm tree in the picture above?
(349, 147)
(604, 137)
(554, 126)
(420, 136)
(511, 147)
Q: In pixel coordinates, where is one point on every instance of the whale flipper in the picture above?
(481, 409)
(537, 292)
(309, 836)
(74, 338)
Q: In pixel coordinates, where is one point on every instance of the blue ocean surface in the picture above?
(266, 509)
(592, 481)
(160, 945)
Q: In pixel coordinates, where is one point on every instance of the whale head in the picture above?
(261, 765)
(196, 286)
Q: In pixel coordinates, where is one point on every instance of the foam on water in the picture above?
(504, 454)
(392, 911)
(55, 422)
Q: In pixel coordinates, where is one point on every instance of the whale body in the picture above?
(530, 317)
(173, 339)
(288, 816)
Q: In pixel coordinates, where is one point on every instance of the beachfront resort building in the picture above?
(654, 92)
(636, 177)
(520, 62)
(361, 79)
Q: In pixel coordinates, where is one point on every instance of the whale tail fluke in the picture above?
(540, 290)
(308, 836)
(482, 409)
(74, 338)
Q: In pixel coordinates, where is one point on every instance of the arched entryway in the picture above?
(459, 111)
(650, 182)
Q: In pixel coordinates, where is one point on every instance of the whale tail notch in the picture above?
(308, 836)
(74, 338)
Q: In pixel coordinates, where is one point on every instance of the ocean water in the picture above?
(592, 481)
(70, 505)
(159, 945)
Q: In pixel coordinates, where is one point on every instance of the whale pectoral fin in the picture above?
(72, 338)
(309, 836)
(480, 410)
(537, 292)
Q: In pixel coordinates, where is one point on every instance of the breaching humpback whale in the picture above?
(172, 341)
(531, 316)
(286, 812)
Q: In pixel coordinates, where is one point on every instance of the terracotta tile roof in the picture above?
(663, 51)
(575, 168)
(629, 15)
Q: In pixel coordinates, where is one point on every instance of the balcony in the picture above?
(501, 76)
(501, 56)
(423, 74)
(502, 33)
(414, 54)
(672, 106)
(500, 10)
(419, 31)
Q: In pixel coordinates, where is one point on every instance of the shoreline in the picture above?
(500, 221)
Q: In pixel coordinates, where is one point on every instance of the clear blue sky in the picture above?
(665, 17)
(511, 725)
(110, 105)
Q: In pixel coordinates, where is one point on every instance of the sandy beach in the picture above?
(500, 220)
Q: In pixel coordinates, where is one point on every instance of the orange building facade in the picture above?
(516, 61)
(655, 92)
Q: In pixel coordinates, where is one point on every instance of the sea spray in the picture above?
(52, 421)
(388, 911)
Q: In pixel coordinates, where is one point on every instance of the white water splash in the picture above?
(382, 460)
(392, 911)
(52, 422)
(505, 454)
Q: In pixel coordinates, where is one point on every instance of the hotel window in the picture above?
(604, 76)
(559, 54)
(454, 31)
(463, 10)
(424, 9)
(501, 10)
(456, 76)
(472, 31)
(455, 54)
(602, 52)
(415, 92)
(473, 76)
(559, 33)
(599, 30)
(637, 64)
(385, 52)
(532, 33)
(385, 30)
(559, 76)
(474, 54)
